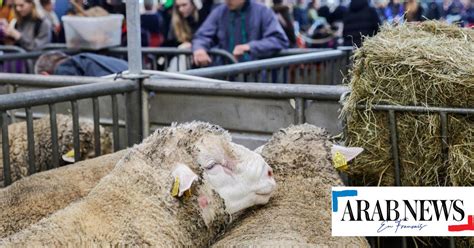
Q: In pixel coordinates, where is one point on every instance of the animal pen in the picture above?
(306, 87)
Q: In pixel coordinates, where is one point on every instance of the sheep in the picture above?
(30, 199)
(180, 187)
(299, 214)
(43, 145)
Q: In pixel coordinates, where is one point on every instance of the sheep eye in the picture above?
(211, 165)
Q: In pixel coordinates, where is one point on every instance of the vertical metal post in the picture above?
(145, 114)
(452, 243)
(445, 153)
(134, 120)
(444, 136)
(96, 118)
(115, 124)
(134, 37)
(396, 159)
(30, 135)
(7, 177)
(394, 140)
(54, 136)
(133, 99)
(299, 110)
(75, 131)
(12, 89)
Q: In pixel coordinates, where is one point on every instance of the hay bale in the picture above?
(299, 213)
(426, 64)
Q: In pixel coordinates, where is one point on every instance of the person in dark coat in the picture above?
(468, 16)
(414, 11)
(245, 28)
(360, 20)
(83, 64)
(285, 20)
(185, 21)
(300, 15)
(394, 11)
(151, 22)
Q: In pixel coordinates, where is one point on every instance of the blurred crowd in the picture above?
(198, 24)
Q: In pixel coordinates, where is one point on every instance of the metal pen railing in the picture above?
(391, 111)
(14, 66)
(27, 100)
(300, 93)
(154, 58)
(325, 68)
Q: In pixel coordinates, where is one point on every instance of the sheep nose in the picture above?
(270, 172)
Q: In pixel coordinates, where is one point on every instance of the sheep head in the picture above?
(203, 162)
(304, 150)
(240, 176)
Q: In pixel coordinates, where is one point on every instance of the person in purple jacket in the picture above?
(245, 28)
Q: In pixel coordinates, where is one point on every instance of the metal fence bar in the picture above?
(96, 119)
(265, 64)
(452, 242)
(75, 131)
(419, 109)
(133, 122)
(48, 81)
(173, 51)
(299, 110)
(29, 55)
(54, 136)
(251, 90)
(31, 141)
(145, 113)
(49, 96)
(394, 141)
(445, 153)
(133, 37)
(444, 136)
(7, 178)
(115, 126)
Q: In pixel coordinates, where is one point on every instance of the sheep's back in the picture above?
(299, 214)
(28, 200)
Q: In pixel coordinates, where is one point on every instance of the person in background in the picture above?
(6, 10)
(336, 20)
(284, 18)
(454, 12)
(414, 11)
(245, 28)
(185, 21)
(468, 15)
(50, 15)
(316, 11)
(83, 64)
(29, 31)
(434, 11)
(300, 15)
(380, 6)
(360, 20)
(394, 11)
(152, 23)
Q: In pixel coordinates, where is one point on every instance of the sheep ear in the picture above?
(184, 178)
(69, 156)
(348, 152)
(259, 149)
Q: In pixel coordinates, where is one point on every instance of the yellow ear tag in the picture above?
(340, 162)
(70, 154)
(175, 189)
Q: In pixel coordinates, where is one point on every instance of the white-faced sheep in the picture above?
(180, 187)
(299, 213)
(30, 199)
(43, 144)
